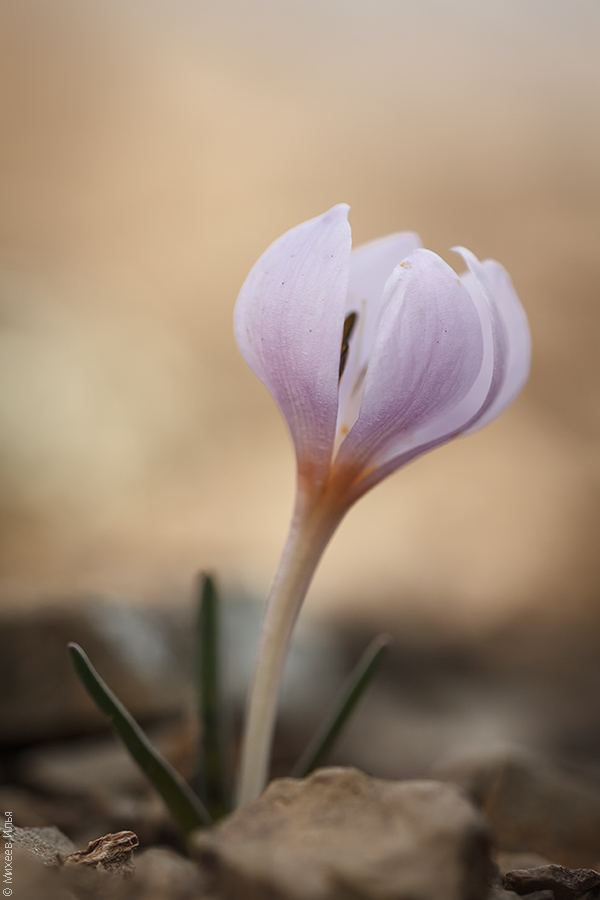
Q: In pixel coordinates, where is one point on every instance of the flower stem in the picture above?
(310, 531)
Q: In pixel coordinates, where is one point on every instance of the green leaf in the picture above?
(360, 677)
(212, 768)
(183, 804)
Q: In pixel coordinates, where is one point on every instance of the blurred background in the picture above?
(149, 152)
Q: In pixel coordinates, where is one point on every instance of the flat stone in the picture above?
(532, 805)
(48, 845)
(564, 884)
(341, 835)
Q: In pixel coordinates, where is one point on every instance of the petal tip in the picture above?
(340, 210)
(467, 255)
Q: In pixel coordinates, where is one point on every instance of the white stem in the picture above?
(309, 534)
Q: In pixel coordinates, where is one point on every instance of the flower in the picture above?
(374, 358)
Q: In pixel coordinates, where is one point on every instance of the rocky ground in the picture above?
(341, 835)
(479, 821)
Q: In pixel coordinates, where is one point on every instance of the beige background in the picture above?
(149, 152)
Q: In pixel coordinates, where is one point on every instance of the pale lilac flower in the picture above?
(374, 357)
(430, 356)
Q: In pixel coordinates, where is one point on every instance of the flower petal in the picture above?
(288, 324)
(422, 382)
(371, 265)
(492, 282)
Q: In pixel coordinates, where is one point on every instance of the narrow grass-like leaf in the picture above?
(360, 677)
(212, 768)
(183, 804)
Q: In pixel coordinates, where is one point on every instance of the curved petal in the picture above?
(504, 369)
(492, 281)
(288, 324)
(423, 379)
(371, 265)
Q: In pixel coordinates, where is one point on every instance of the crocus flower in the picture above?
(374, 357)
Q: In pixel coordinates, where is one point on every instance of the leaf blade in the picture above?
(185, 807)
(212, 769)
(355, 685)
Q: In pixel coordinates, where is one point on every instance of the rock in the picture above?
(46, 867)
(49, 845)
(162, 874)
(340, 835)
(110, 853)
(563, 884)
(532, 805)
(33, 880)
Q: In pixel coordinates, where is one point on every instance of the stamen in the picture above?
(349, 323)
